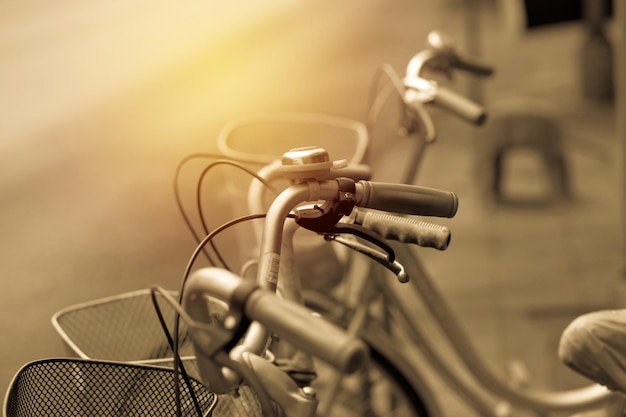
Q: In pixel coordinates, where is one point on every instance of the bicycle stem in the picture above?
(271, 239)
(257, 337)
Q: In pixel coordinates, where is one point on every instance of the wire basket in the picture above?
(264, 137)
(86, 388)
(124, 328)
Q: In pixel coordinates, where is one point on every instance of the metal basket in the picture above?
(86, 388)
(124, 328)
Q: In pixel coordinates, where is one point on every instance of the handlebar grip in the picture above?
(460, 105)
(405, 229)
(309, 332)
(406, 199)
(476, 68)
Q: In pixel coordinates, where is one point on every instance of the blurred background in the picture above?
(101, 100)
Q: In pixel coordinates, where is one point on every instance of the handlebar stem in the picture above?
(271, 240)
(257, 336)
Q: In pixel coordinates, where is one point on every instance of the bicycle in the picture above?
(247, 309)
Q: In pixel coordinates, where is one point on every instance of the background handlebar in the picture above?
(474, 67)
(406, 199)
(460, 105)
(427, 91)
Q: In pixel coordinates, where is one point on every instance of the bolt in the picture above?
(230, 322)
(309, 393)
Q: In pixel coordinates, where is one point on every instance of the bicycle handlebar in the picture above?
(460, 105)
(442, 55)
(406, 199)
(291, 321)
(471, 66)
(397, 198)
(288, 319)
(405, 230)
(306, 331)
(426, 91)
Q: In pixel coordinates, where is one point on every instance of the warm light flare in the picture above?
(60, 60)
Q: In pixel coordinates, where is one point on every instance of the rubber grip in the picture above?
(460, 105)
(473, 67)
(406, 199)
(405, 229)
(311, 333)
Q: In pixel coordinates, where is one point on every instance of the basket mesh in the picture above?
(125, 328)
(121, 328)
(86, 388)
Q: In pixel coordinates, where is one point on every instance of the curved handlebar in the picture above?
(290, 320)
(397, 198)
(426, 91)
(442, 55)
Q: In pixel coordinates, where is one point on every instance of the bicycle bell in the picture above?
(308, 163)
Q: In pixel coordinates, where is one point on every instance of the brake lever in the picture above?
(366, 234)
(325, 219)
(393, 266)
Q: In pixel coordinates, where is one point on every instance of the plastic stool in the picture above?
(531, 125)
